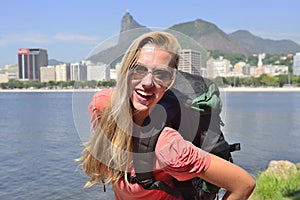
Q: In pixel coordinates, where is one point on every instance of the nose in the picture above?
(147, 81)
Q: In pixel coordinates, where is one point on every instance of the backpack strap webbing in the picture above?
(152, 184)
(145, 139)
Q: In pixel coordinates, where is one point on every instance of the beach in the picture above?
(49, 90)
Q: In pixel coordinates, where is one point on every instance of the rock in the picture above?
(282, 168)
(298, 166)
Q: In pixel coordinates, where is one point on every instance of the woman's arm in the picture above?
(238, 183)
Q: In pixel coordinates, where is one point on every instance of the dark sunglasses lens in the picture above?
(139, 72)
(162, 75)
(141, 69)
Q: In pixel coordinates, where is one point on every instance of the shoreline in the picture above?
(228, 89)
(46, 90)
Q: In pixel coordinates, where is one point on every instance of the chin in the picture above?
(140, 107)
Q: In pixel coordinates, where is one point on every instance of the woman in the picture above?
(148, 70)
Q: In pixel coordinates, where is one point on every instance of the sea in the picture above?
(41, 133)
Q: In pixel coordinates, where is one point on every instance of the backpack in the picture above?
(192, 107)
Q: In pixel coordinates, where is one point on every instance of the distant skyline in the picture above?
(71, 29)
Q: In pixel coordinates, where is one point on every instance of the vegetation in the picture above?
(15, 84)
(280, 187)
(262, 81)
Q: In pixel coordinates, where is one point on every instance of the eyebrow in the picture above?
(155, 66)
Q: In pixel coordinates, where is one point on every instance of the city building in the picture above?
(29, 63)
(217, 67)
(115, 71)
(8, 72)
(98, 72)
(78, 71)
(62, 72)
(249, 70)
(48, 73)
(190, 61)
(12, 71)
(238, 67)
(274, 70)
(296, 65)
(3, 76)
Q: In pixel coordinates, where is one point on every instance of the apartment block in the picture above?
(12, 71)
(62, 72)
(98, 72)
(274, 70)
(296, 65)
(48, 74)
(190, 61)
(3, 76)
(217, 67)
(78, 71)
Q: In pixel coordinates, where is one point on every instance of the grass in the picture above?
(277, 187)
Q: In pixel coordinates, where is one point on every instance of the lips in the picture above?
(143, 96)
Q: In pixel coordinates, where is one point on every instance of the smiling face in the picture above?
(149, 80)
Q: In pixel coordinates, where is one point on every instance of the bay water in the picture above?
(41, 133)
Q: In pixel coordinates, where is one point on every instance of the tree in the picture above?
(282, 79)
(266, 80)
(221, 81)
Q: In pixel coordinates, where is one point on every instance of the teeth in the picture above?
(144, 93)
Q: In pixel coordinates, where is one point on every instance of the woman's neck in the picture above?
(139, 117)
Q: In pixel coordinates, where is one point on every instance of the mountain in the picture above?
(259, 45)
(190, 35)
(130, 30)
(54, 62)
(210, 37)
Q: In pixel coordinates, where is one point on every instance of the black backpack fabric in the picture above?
(192, 107)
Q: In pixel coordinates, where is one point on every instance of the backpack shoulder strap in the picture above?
(146, 136)
(145, 139)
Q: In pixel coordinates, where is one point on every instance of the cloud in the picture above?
(70, 37)
(31, 38)
(43, 39)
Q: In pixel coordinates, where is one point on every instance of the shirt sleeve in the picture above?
(99, 101)
(178, 157)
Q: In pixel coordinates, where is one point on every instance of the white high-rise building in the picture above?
(78, 71)
(190, 61)
(98, 72)
(62, 72)
(114, 72)
(296, 66)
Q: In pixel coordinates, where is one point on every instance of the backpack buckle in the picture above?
(148, 184)
(235, 147)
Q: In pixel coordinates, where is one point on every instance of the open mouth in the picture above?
(143, 96)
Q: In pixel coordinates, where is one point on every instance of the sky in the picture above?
(70, 29)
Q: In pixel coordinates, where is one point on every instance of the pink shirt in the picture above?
(175, 157)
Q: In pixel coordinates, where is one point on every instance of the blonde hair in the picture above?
(108, 154)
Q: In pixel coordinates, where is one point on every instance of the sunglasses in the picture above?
(162, 76)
